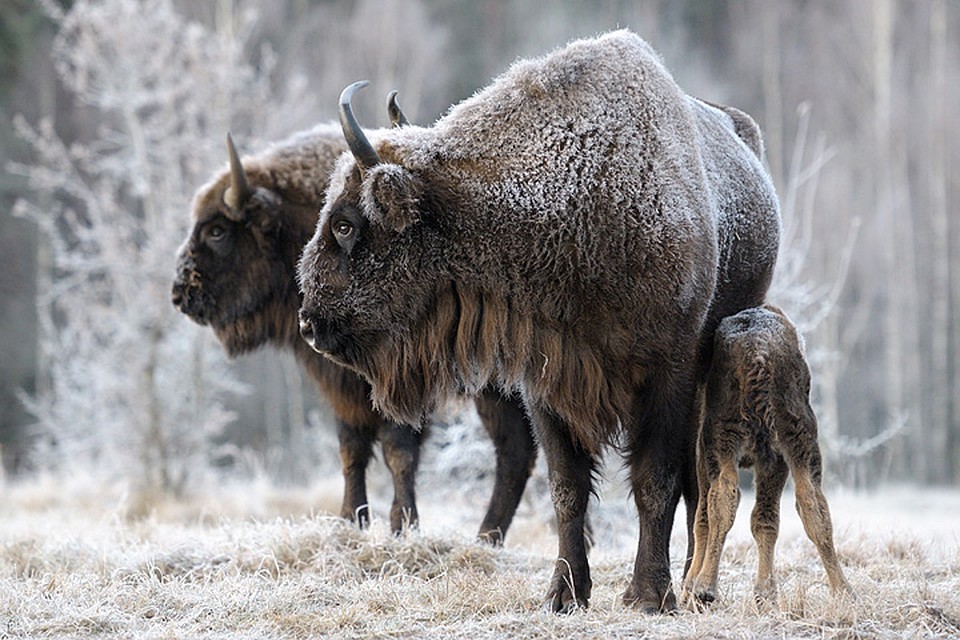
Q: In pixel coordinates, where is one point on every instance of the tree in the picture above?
(133, 389)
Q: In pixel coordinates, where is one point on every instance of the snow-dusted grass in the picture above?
(255, 561)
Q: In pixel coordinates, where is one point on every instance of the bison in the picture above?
(573, 232)
(236, 273)
(758, 414)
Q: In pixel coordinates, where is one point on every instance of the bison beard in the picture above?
(236, 272)
(574, 231)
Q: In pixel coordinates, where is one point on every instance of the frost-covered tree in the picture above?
(132, 389)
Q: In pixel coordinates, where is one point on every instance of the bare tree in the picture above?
(133, 389)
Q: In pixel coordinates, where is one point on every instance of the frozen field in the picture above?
(255, 561)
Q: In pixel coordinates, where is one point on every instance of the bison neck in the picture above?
(469, 338)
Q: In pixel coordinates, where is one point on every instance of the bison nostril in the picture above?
(177, 297)
(306, 331)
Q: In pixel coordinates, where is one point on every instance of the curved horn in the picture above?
(362, 150)
(238, 191)
(397, 118)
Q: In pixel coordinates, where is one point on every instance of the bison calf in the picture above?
(236, 273)
(758, 414)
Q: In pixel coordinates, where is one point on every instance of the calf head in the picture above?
(235, 271)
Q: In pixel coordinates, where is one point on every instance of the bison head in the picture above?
(373, 266)
(235, 270)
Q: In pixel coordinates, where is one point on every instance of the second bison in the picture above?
(236, 273)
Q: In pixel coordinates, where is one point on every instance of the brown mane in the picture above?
(470, 338)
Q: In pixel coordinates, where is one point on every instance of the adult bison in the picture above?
(572, 231)
(236, 272)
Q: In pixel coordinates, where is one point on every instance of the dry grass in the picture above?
(79, 561)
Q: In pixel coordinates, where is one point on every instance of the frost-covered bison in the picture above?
(758, 414)
(236, 272)
(571, 231)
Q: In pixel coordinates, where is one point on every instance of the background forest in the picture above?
(114, 112)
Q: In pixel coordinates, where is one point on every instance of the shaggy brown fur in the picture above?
(236, 273)
(563, 232)
(758, 414)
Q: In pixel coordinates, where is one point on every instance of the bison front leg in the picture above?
(356, 449)
(570, 470)
(401, 452)
(516, 453)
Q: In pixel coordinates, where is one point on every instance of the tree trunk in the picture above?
(772, 92)
(883, 173)
(940, 400)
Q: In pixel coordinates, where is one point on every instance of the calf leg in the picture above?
(401, 452)
(570, 470)
(701, 523)
(765, 525)
(815, 514)
(516, 453)
(356, 449)
(723, 497)
(691, 491)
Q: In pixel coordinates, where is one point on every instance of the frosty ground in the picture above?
(252, 560)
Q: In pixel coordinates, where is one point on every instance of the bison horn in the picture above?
(397, 119)
(362, 150)
(238, 191)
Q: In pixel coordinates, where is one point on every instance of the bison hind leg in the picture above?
(723, 497)
(803, 455)
(815, 515)
(770, 479)
(516, 453)
(660, 432)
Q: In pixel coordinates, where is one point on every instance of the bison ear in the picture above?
(391, 196)
(264, 207)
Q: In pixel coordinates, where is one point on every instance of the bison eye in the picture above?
(217, 237)
(343, 229)
(345, 233)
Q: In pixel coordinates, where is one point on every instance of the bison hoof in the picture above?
(562, 603)
(360, 516)
(765, 593)
(846, 591)
(402, 521)
(569, 589)
(649, 603)
(494, 537)
(706, 596)
(688, 600)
